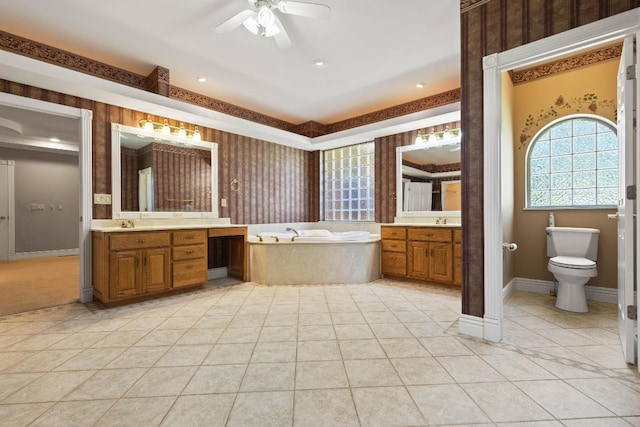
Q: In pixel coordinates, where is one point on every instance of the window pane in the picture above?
(584, 127)
(560, 146)
(561, 164)
(561, 130)
(607, 159)
(584, 197)
(561, 198)
(540, 149)
(607, 141)
(583, 144)
(584, 161)
(608, 196)
(560, 181)
(539, 198)
(586, 179)
(540, 182)
(608, 178)
(540, 166)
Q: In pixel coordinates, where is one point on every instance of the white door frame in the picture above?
(7, 245)
(588, 36)
(85, 291)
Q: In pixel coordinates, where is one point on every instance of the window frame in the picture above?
(324, 183)
(599, 120)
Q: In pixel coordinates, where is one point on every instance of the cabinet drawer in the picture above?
(394, 245)
(399, 233)
(457, 235)
(394, 263)
(189, 237)
(430, 234)
(136, 240)
(189, 252)
(187, 273)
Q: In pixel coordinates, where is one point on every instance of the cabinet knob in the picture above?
(189, 252)
(140, 240)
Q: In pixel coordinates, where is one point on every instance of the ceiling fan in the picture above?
(261, 19)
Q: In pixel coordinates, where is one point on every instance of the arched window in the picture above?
(573, 163)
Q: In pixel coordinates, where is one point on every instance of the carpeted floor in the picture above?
(31, 284)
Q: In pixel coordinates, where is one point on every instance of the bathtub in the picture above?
(316, 257)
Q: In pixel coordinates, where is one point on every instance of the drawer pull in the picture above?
(140, 240)
(429, 235)
(189, 237)
(189, 267)
(189, 252)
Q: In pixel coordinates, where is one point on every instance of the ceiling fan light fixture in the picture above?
(253, 25)
(266, 18)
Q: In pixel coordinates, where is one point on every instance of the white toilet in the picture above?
(572, 252)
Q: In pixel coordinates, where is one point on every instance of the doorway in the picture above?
(47, 115)
(580, 39)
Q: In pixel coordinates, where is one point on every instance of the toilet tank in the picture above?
(570, 241)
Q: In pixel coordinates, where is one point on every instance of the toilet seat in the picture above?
(574, 263)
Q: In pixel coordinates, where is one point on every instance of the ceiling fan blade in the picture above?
(310, 10)
(234, 22)
(282, 38)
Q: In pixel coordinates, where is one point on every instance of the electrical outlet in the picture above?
(102, 199)
(223, 203)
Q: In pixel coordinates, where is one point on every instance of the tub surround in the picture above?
(429, 254)
(314, 262)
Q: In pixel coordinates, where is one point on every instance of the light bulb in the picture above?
(166, 130)
(148, 125)
(196, 134)
(182, 133)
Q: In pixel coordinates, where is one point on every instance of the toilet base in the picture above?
(571, 297)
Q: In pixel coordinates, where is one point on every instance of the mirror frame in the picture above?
(116, 195)
(399, 193)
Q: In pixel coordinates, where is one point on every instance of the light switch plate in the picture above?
(223, 203)
(102, 199)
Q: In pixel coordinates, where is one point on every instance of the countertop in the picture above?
(417, 224)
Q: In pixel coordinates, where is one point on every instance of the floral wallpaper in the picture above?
(588, 103)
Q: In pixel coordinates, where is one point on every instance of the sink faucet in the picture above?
(294, 230)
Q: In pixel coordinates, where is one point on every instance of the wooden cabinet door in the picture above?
(394, 263)
(418, 260)
(440, 262)
(157, 268)
(126, 274)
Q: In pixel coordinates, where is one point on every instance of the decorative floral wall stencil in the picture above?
(588, 103)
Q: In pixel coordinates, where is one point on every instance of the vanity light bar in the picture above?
(442, 136)
(167, 129)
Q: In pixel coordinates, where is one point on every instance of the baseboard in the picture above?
(594, 293)
(471, 325)
(511, 286)
(42, 254)
(217, 273)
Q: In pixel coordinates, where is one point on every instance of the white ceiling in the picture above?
(376, 51)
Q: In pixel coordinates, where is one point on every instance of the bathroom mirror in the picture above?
(423, 172)
(162, 176)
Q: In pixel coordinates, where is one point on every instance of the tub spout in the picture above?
(259, 237)
(294, 230)
(276, 237)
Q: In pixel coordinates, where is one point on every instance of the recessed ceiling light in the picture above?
(318, 62)
(202, 79)
(54, 139)
(420, 85)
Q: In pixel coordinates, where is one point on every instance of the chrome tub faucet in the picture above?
(294, 230)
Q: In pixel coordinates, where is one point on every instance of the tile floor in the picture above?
(382, 354)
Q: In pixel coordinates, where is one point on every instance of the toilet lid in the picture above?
(572, 262)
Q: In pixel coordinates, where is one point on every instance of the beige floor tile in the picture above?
(91, 358)
(347, 318)
(356, 331)
(318, 350)
(216, 379)
(50, 387)
(277, 319)
(425, 329)
(386, 407)
(320, 375)
(596, 422)
(515, 367)
(178, 323)
(361, 349)
(22, 414)
(68, 414)
(634, 421)
(343, 307)
(247, 320)
(403, 347)
(612, 394)
(269, 377)
(210, 410)
(467, 369)
(134, 357)
(38, 342)
(240, 335)
(213, 322)
(315, 333)
(263, 409)
(143, 324)
(278, 333)
(446, 404)
(373, 317)
(324, 408)
(166, 381)
(223, 354)
(314, 319)
(287, 308)
(10, 383)
(79, 340)
(606, 356)
(161, 338)
(390, 330)
(423, 370)
(41, 361)
(120, 339)
(503, 402)
(136, 412)
(200, 336)
(562, 400)
(534, 322)
(371, 373)
(274, 352)
(106, 384)
(184, 355)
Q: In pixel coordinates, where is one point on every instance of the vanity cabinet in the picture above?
(135, 265)
(189, 257)
(457, 256)
(420, 254)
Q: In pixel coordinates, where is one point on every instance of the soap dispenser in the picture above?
(552, 220)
